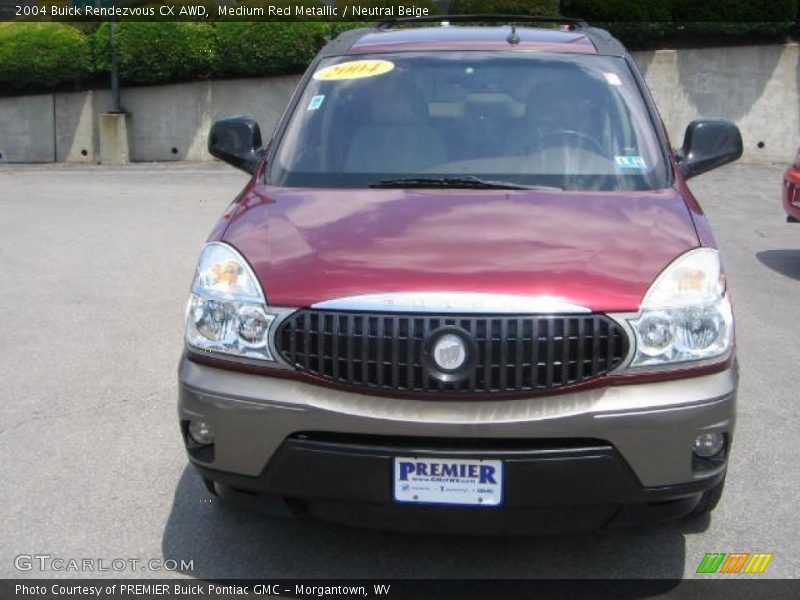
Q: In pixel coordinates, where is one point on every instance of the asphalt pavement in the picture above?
(95, 265)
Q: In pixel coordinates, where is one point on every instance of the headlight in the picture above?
(686, 314)
(227, 311)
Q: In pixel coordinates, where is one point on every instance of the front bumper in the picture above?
(590, 452)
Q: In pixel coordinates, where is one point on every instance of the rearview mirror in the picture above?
(237, 141)
(708, 144)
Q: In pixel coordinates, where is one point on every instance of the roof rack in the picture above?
(478, 18)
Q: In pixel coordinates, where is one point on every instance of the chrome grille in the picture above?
(514, 353)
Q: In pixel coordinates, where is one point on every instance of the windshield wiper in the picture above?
(467, 181)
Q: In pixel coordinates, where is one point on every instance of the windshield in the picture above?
(558, 120)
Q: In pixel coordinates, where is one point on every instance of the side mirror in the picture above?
(237, 141)
(708, 144)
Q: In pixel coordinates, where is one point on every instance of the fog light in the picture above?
(708, 444)
(201, 432)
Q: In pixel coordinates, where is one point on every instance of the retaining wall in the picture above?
(757, 87)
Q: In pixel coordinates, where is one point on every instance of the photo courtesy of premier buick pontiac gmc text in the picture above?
(466, 289)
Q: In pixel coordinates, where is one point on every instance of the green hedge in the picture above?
(636, 22)
(246, 49)
(504, 7)
(619, 10)
(736, 19)
(743, 12)
(49, 56)
(648, 23)
(36, 56)
(158, 52)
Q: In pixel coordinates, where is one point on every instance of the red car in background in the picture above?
(791, 190)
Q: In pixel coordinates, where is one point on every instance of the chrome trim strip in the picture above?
(623, 320)
(454, 302)
(281, 314)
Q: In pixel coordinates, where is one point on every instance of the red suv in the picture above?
(465, 289)
(791, 190)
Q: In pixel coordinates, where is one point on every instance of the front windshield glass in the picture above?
(568, 121)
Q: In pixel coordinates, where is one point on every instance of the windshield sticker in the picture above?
(613, 78)
(355, 69)
(631, 162)
(316, 102)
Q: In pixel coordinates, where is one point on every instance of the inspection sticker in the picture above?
(354, 69)
(631, 162)
(316, 102)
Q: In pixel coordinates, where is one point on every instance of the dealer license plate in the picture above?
(469, 482)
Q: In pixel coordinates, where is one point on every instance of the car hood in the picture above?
(596, 249)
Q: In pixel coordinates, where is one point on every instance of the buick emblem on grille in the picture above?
(446, 354)
(449, 352)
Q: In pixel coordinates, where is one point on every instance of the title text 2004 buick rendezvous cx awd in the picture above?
(466, 289)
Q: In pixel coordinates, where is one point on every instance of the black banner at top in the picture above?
(364, 10)
(215, 10)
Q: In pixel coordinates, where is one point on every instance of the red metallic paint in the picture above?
(791, 189)
(310, 245)
(701, 224)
